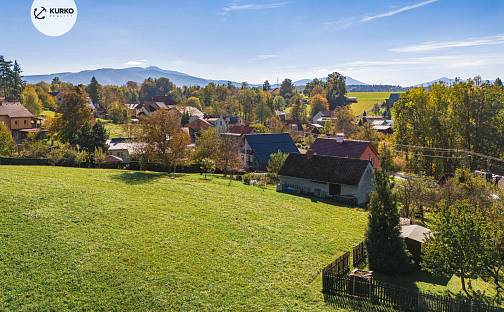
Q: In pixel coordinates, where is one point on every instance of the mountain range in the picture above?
(110, 76)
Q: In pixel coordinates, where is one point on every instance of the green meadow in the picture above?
(105, 240)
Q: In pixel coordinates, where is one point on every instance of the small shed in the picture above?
(415, 236)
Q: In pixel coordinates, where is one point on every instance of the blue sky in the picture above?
(390, 42)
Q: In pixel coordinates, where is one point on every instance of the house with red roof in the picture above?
(339, 146)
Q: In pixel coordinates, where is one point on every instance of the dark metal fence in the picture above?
(339, 267)
(402, 299)
(359, 255)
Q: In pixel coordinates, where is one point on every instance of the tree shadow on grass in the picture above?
(356, 304)
(140, 177)
(410, 280)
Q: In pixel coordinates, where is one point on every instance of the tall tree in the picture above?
(207, 145)
(385, 248)
(297, 108)
(5, 77)
(336, 90)
(457, 245)
(166, 141)
(287, 89)
(229, 160)
(266, 86)
(344, 120)
(74, 113)
(279, 103)
(318, 104)
(498, 82)
(316, 86)
(94, 90)
(31, 101)
(17, 82)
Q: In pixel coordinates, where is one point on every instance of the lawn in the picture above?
(117, 130)
(367, 100)
(90, 239)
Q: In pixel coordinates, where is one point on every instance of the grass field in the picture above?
(367, 100)
(84, 239)
(117, 130)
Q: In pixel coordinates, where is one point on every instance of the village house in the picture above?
(19, 120)
(196, 126)
(341, 147)
(384, 126)
(342, 179)
(281, 115)
(217, 122)
(257, 149)
(313, 129)
(322, 117)
(124, 149)
(133, 108)
(294, 126)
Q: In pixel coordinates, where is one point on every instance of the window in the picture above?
(15, 122)
(371, 159)
(334, 189)
(25, 122)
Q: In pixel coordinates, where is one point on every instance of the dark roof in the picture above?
(330, 147)
(325, 168)
(14, 110)
(266, 144)
(394, 97)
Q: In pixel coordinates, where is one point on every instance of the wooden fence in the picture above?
(402, 299)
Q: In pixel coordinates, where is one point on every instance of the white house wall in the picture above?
(309, 187)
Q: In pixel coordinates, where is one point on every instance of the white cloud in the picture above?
(136, 63)
(236, 6)
(447, 61)
(432, 46)
(348, 22)
(397, 11)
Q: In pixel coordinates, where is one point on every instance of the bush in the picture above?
(260, 179)
(67, 156)
(246, 178)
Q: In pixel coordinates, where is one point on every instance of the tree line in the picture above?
(466, 116)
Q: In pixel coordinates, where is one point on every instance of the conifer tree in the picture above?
(385, 248)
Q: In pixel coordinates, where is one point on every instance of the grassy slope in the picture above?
(367, 100)
(116, 130)
(108, 240)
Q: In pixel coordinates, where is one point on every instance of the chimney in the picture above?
(340, 137)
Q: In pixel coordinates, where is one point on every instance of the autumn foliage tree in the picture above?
(165, 139)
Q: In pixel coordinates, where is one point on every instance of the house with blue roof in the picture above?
(257, 149)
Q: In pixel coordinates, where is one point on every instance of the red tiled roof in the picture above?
(240, 129)
(348, 148)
